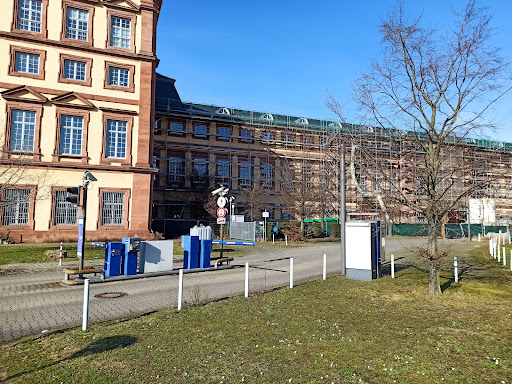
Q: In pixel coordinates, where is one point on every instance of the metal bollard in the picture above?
(180, 289)
(324, 274)
(246, 279)
(85, 313)
(60, 255)
(286, 239)
(392, 266)
(291, 272)
(504, 257)
(455, 269)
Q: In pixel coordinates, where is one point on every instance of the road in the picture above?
(32, 303)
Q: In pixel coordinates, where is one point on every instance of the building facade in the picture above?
(289, 166)
(77, 88)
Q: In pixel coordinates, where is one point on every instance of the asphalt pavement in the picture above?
(36, 301)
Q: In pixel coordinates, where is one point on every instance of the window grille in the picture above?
(266, 174)
(71, 135)
(77, 24)
(119, 77)
(175, 170)
(27, 63)
(245, 174)
(120, 32)
(112, 212)
(200, 130)
(176, 128)
(30, 15)
(246, 136)
(308, 176)
(66, 213)
(23, 131)
(74, 70)
(116, 139)
(16, 208)
(377, 187)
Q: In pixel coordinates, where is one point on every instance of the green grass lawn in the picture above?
(338, 330)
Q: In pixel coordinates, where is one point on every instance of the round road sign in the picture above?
(221, 212)
(221, 201)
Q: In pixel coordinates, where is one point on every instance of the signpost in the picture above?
(265, 214)
(79, 248)
(221, 211)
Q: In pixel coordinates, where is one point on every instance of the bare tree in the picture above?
(435, 87)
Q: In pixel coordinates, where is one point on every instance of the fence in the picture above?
(451, 231)
(243, 231)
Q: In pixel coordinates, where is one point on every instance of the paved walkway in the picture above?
(36, 302)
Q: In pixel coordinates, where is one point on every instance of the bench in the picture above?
(76, 271)
(222, 260)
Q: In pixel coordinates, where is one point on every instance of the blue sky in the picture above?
(287, 56)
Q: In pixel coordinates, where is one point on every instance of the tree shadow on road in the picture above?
(99, 346)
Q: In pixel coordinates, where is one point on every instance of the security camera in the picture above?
(218, 190)
(89, 176)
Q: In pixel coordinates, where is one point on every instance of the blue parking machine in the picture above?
(113, 258)
(131, 250)
(190, 246)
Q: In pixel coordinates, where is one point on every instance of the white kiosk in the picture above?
(363, 250)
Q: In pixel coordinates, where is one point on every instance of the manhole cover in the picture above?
(110, 295)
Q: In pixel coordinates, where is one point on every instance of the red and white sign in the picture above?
(221, 212)
(221, 220)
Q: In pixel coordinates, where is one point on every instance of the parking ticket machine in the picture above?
(131, 250)
(113, 258)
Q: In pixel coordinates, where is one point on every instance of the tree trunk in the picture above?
(302, 228)
(433, 257)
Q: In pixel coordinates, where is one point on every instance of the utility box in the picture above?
(156, 256)
(363, 250)
(131, 251)
(113, 259)
(204, 253)
(204, 233)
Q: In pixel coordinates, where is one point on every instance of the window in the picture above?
(200, 130)
(287, 174)
(116, 139)
(246, 136)
(287, 138)
(71, 132)
(224, 133)
(508, 192)
(27, 63)
(16, 207)
(119, 77)
(175, 169)
(120, 32)
(176, 128)
(377, 187)
(200, 170)
(23, 128)
(308, 176)
(77, 21)
(267, 137)
(112, 209)
(266, 174)
(66, 213)
(30, 16)
(245, 174)
(223, 171)
(74, 70)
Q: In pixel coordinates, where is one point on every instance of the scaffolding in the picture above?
(289, 165)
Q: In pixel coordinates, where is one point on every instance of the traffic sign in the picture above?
(221, 220)
(221, 201)
(221, 212)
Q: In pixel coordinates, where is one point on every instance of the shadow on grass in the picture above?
(98, 346)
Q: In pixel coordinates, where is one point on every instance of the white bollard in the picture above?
(511, 260)
(508, 233)
(478, 237)
(180, 289)
(325, 267)
(60, 255)
(392, 266)
(85, 313)
(246, 279)
(291, 272)
(504, 257)
(455, 269)
(286, 239)
(273, 239)
(499, 254)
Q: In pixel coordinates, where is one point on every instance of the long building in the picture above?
(289, 166)
(77, 82)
